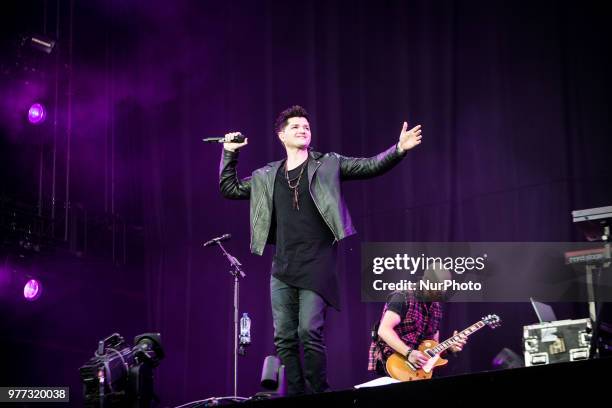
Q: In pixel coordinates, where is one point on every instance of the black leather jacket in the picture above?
(325, 173)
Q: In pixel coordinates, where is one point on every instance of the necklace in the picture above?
(294, 188)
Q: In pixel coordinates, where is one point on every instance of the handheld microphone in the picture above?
(213, 241)
(239, 138)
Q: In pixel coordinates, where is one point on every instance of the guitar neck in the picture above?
(451, 340)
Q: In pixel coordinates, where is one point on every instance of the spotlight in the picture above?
(39, 43)
(37, 114)
(32, 290)
(272, 379)
(118, 375)
(507, 358)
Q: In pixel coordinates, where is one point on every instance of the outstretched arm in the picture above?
(356, 168)
(231, 186)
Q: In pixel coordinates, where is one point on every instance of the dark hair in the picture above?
(296, 111)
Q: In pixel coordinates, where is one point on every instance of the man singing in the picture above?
(296, 203)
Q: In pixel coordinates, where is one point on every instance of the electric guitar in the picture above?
(399, 368)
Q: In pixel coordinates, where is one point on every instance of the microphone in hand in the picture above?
(231, 141)
(234, 137)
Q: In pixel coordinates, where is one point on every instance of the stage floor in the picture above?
(588, 381)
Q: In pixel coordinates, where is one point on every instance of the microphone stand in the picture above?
(236, 272)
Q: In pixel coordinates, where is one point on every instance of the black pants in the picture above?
(299, 317)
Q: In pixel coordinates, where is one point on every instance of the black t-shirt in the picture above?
(397, 303)
(305, 254)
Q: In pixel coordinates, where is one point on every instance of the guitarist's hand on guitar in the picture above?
(420, 365)
(459, 343)
(417, 358)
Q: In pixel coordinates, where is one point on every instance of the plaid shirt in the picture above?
(421, 322)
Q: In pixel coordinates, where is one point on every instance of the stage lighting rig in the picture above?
(38, 42)
(119, 375)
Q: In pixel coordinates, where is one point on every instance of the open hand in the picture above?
(409, 138)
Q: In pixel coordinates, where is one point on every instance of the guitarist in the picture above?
(406, 321)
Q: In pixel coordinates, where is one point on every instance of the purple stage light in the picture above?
(32, 290)
(498, 362)
(37, 114)
(507, 358)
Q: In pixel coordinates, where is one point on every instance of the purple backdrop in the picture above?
(514, 104)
